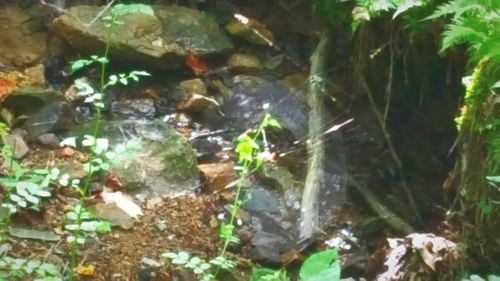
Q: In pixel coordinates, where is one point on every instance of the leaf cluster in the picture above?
(473, 23)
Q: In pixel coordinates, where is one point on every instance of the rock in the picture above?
(150, 262)
(25, 43)
(297, 84)
(205, 149)
(281, 179)
(218, 175)
(115, 215)
(243, 63)
(253, 96)
(260, 200)
(26, 233)
(158, 40)
(268, 247)
(195, 97)
(29, 100)
(194, 86)
(52, 119)
(133, 109)
(18, 145)
(195, 103)
(49, 140)
(164, 165)
(34, 76)
(250, 30)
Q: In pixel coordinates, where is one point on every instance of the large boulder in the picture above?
(159, 40)
(165, 164)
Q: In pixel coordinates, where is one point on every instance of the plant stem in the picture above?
(247, 164)
(90, 174)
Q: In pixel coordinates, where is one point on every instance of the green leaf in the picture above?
(266, 274)
(322, 266)
(494, 179)
(405, 6)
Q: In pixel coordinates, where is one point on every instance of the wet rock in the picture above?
(268, 247)
(281, 179)
(16, 142)
(27, 233)
(253, 96)
(34, 76)
(205, 149)
(53, 118)
(133, 109)
(194, 86)
(261, 200)
(194, 103)
(195, 97)
(49, 140)
(243, 63)
(250, 30)
(160, 39)
(29, 100)
(218, 175)
(165, 164)
(26, 44)
(297, 84)
(115, 215)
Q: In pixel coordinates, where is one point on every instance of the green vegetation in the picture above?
(251, 156)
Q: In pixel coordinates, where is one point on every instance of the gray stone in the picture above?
(159, 41)
(244, 63)
(260, 200)
(53, 118)
(113, 214)
(27, 233)
(29, 100)
(20, 148)
(165, 164)
(133, 109)
(253, 97)
(49, 140)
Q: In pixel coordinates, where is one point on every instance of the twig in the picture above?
(384, 213)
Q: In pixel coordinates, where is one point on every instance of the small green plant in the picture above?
(80, 219)
(79, 222)
(16, 269)
(321, 266)
(250, 157)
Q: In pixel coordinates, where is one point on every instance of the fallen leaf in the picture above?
(7, 85)
(86, 271)
(197, 65)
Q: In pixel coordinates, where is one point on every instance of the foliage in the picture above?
(474, 23)
(266, 274)
(15, 268)
(490, 277)
(250, 157)
(203, 269)
(321, 266)
(83, 224)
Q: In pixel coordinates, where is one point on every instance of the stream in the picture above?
(210, 81)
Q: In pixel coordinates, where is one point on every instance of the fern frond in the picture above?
(458, 8)
(490, 48)
(472, 31)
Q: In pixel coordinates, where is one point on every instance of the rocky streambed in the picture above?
(212, 78)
